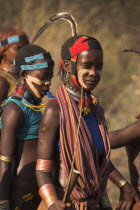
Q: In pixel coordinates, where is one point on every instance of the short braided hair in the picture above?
(27, 51)
(70, 42)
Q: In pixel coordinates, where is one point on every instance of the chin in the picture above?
(41, 96)
(89, 88)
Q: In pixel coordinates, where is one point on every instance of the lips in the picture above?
(45, 90)
(91, 81)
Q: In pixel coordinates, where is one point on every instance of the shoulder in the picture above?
(12, 108)
(15, 100)
(52, 108)
(12, 114)
(51, 114)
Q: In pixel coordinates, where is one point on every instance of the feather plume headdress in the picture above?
(132, 51)
(62, 15)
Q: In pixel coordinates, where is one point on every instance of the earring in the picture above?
(67, 76)
(22, 81)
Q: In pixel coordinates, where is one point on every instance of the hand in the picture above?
(59, 205)
(128, 197)
(4, 204)
(136, 206)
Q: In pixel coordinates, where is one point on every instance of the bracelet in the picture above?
(4, 205)
(48, 194)
(137, 187)
(45, 165)
(6, 158)
(117, 178)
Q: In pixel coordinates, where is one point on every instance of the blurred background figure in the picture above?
(11, 40)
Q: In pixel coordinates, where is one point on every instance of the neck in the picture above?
(77, 93)
(25, 93)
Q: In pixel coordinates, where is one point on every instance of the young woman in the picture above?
(73, 135)
(19, 133)
(11, 40)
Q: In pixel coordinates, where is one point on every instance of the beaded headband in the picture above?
(26, 66)
(14, 39)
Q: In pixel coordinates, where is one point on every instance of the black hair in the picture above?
(27, 51)
(65, 54)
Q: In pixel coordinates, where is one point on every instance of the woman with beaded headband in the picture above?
(19, 129)
(11, 40)
(78, 137)
(129, 136)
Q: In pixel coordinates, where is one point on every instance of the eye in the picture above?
(87, 65)
(46, 77)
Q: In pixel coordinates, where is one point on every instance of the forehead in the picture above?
(41, 72)
(44, 72)
(91, 55)
(17, 45)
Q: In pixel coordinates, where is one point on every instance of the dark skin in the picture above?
(24, 151)
(129, 136)
(4, 85)
(6, 63)
(89, 60)
(44, 76)
(125, 136)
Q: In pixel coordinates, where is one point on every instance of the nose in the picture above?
(92, 72)
(48, 83)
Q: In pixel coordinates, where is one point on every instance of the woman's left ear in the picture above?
(67, 65)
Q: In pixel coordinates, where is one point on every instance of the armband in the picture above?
(44, 165)
(116, 177)
(137, 187)
(48, 194)
(6, 158)
(4, 204)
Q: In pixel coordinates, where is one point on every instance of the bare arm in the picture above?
(47, 138)
(127, 193)
(46, 149)
(4, 87)
(125, 136)
(12, 120)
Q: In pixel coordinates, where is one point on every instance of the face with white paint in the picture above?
(88, 68)
(37, 82)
